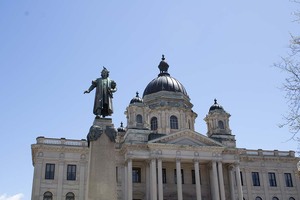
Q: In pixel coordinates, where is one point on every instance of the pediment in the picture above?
(187, 138)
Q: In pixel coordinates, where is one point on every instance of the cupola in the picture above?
(217, 121)
(136, 99)
(216, 106)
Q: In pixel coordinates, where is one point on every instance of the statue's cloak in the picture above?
(103, 97)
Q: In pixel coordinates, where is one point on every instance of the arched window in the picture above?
(153, 123)
(221, 124)
(174, 122)
(139, 119)
(48, 196)
(258, 198)
(70, 196)
(291, 198)
(275, 198)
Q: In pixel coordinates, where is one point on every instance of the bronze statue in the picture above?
(105, 87)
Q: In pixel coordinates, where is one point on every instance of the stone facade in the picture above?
(160, 156)
(61, 153)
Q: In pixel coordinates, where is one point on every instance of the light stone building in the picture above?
(160, 156)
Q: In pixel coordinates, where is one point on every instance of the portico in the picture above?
(189, 172)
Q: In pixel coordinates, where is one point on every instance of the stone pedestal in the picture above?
(101, 183)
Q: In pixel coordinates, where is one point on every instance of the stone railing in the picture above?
(61, 141)
(261, 152)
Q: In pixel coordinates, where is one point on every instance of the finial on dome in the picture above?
(163, 66)
(136, 99)
(121, 128)
(216, 106)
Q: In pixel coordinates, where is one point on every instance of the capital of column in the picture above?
(231, 166)
(210, 164)
(129, 159)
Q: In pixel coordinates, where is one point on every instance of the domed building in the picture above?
(159, 155)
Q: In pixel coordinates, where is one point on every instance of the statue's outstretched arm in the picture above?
(94, 84)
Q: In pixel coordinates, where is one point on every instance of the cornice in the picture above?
(266, 158)
(131, 147)
(69, 149)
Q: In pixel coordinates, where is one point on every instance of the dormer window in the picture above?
(153, 123)
(173, 122)
(139, 119)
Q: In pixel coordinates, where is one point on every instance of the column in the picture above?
(148, 180)
(215, 185)
(129, 179)
(178, 176)
(238, 182)
(126, 181)
(231, 182)
(197, 179)
(160, 180)
(153, 179)
(221, 181)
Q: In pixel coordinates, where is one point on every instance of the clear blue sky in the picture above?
(51, 50)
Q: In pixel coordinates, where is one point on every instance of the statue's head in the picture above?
(104, 73)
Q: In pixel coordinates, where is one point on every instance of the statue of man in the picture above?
(105, 87)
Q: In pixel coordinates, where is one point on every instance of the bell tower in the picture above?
(217, 121)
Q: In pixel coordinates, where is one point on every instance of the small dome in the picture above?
(164, 82)
(121, 128)
(216, 106)
(136, 99)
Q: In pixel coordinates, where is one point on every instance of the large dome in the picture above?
(164, 82)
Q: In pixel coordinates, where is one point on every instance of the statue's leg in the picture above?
(104, 111)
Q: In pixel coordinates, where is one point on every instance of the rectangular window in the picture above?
(194, 177)
(71, 172)
(136, 175)
(288, 180)
(272, 179)
(164, 175)
(255, 179)
(49, 172)
(175, 176)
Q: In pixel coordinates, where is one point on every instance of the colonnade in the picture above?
(156, 180)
